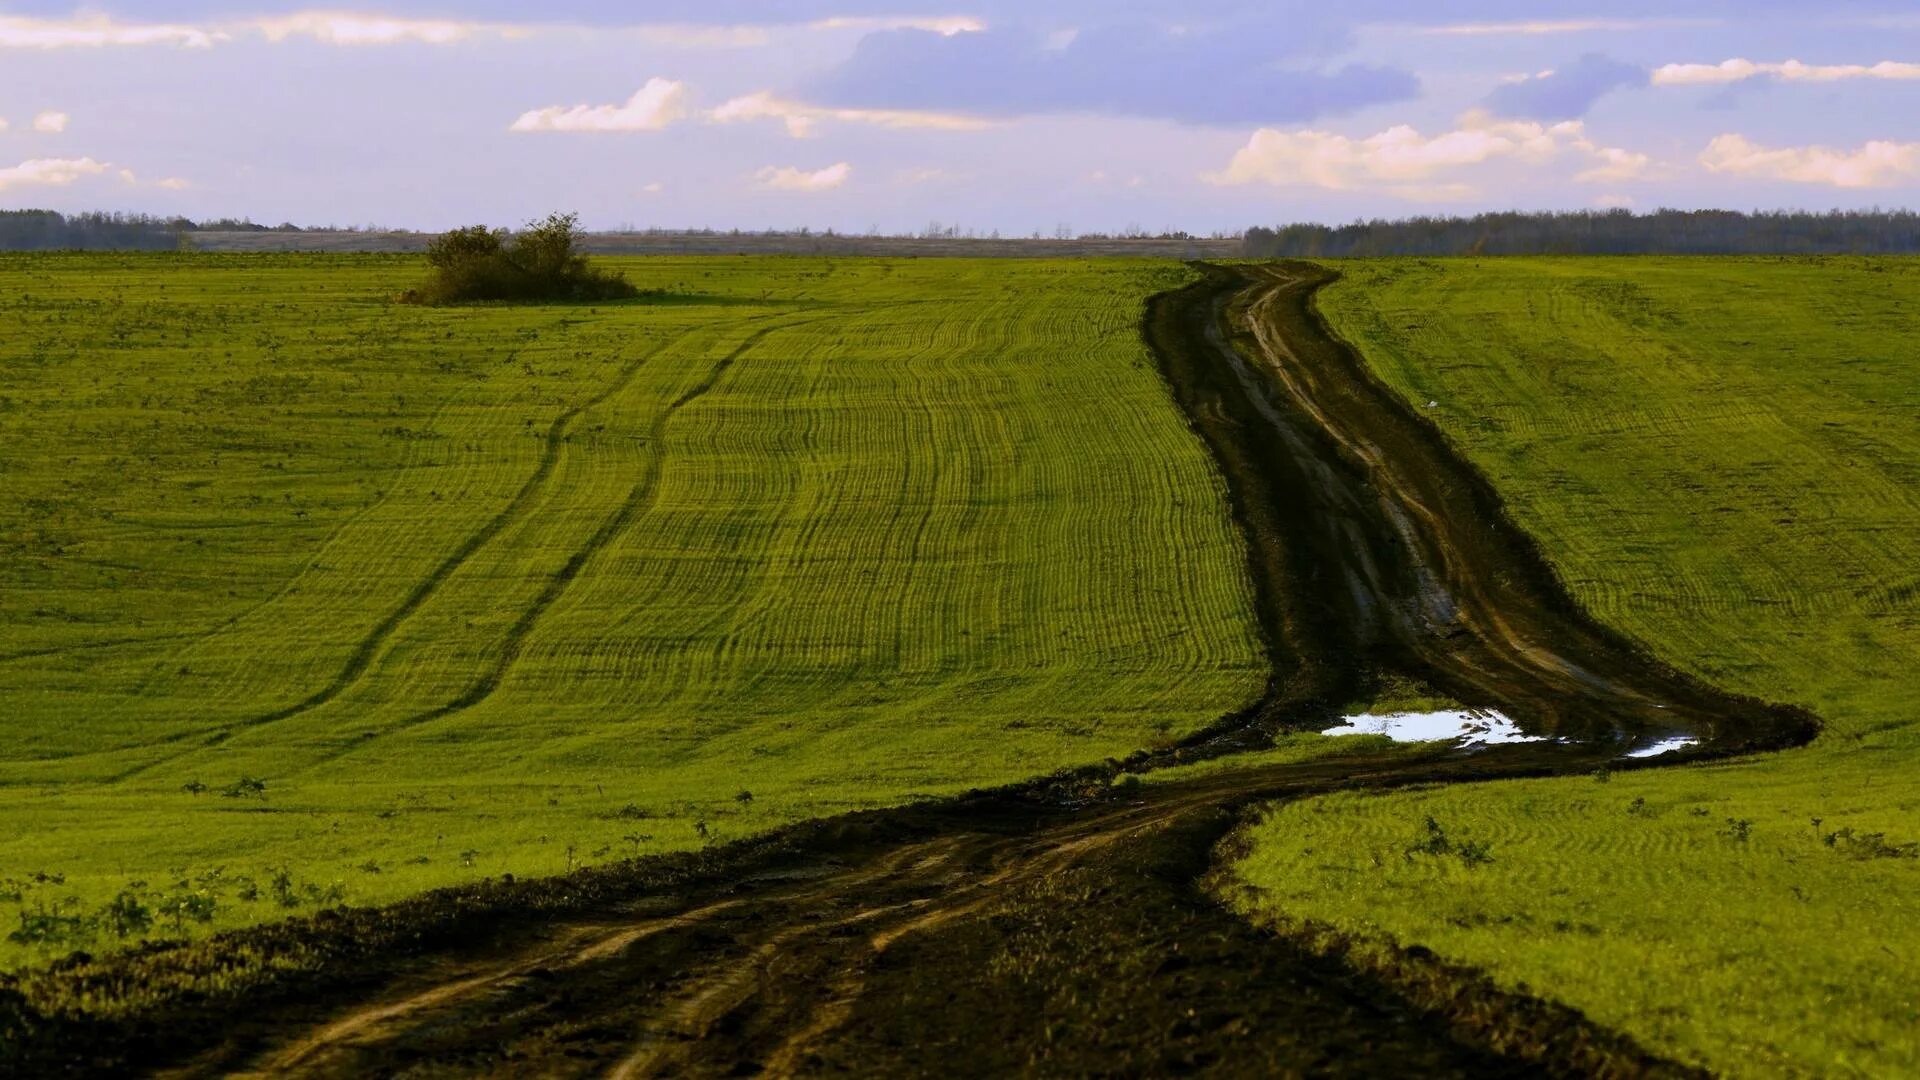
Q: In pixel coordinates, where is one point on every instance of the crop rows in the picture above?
(1722, 458)
(514, 589)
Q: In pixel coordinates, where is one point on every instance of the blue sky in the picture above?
(893, 114)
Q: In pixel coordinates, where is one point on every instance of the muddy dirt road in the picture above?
(1060, 927)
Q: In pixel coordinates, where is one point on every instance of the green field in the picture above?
(1722, 457)
(308, 596)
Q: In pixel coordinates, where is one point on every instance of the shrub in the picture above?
(541, 262)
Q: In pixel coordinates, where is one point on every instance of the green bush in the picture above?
(541, 262)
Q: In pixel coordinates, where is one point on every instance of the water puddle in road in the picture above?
(1663, 746)
(1472, 727)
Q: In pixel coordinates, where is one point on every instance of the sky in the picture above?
(1016, 116)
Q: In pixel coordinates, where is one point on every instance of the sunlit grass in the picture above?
(1722, 457)
(515, 589)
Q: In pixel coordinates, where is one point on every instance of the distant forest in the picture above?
(1612, 232)
(46, 230)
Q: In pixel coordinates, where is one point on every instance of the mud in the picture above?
(1058, 927)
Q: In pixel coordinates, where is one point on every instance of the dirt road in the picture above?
(1059, 927)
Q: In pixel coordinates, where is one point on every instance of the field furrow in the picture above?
(365, 598)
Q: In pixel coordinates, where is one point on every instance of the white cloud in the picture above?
(96, 31)
(1739, 70)
(788, 178)
(171, 183)
(1876, 164)
(1402, 160)
(947, 25)
(1612, 163)
(1614, 202)
(652, 107)
(347, 28)
(350, 28)
(49, 172)
(3, 123)
(50, 123)
(801, 119)
(654, 188)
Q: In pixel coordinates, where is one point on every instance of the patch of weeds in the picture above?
(1433, 840)
(1868, 845)
(58, 923)
(127, 915)
(1738, 830)
(280, 883)
(247, 787)
(198, 906)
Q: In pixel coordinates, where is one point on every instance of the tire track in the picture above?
(1060, 926)
(375, 639)
(637, 500)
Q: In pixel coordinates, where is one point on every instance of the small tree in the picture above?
(541, 262)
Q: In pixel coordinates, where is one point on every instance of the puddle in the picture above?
(1663, 746)
(1473, 727)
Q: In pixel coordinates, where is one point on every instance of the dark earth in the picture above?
(1062, 927)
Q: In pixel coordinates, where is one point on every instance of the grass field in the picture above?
(307, 596)
(1723, 459)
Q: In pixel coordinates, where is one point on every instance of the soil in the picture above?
(1059, 927)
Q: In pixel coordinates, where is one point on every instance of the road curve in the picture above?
(1057, 927)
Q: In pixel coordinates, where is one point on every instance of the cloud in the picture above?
(947, 25)
(50, 123)
(788, 178)
(652, 107)
(1611, 163)
(1229, 75)
(171, 183)
(49, 172)
(1403, 161)
(1875, 164)
(1565, 93)
(347, 28)
(1738, 70)
(801, 119)
(1614, 202)
(97, 31)
(357, 28)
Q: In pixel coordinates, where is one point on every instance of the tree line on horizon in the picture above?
(1609, 232)
(48, 230)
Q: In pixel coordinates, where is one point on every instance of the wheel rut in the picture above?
(639, 497)
(1056, 927)
(368, 649)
